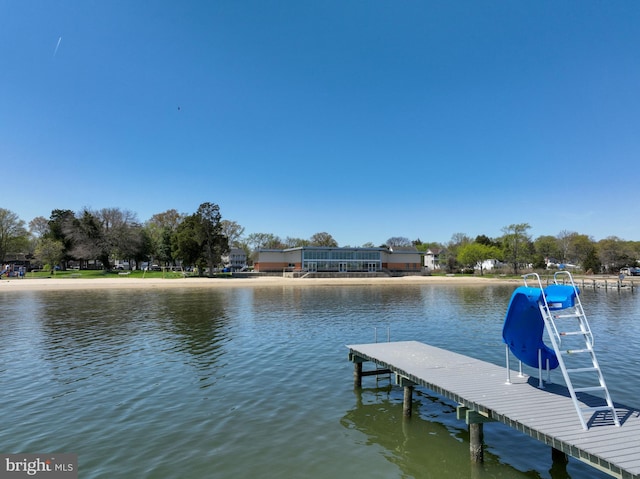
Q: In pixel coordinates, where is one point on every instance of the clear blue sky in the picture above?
(364, 119)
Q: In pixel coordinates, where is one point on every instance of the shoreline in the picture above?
(72, 284)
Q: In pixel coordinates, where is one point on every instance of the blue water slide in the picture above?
(524, 326)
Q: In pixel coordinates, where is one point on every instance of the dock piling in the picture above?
(357, 375)
(476, 438)
(408, 386)
(406, 405)
(475, 421)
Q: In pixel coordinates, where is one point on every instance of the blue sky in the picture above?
(363, 119)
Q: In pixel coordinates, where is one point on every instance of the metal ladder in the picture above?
(575, 346)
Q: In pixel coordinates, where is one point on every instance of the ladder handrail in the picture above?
(578, 305)
(556, 333)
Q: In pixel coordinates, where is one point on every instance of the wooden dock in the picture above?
(547, 415)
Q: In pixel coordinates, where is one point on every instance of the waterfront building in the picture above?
(319, 259)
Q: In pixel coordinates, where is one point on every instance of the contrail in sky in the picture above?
(57, 46)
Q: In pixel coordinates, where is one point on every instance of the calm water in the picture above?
(255, 382)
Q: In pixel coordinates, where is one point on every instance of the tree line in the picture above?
(517, 249)
(202, 238)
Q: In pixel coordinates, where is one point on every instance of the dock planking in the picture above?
(547, 415)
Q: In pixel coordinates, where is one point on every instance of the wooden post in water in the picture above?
(357, 375)
(408, 397)
(476, 421)
(357, 370)
(476, 438)
(408, 386)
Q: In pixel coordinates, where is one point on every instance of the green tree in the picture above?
(516, 245)
(199, 239)
(474, 254)
(635, 249)
(547, 247)
(13, 234)
(449, 255)
(214, 242)
(580, 248)
(61, 227)
(160, 230)
(185, 243)
(49, 251)
(591, 263)
(485, 240)
(615, 254)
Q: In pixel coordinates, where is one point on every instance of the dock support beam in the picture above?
(475, 421)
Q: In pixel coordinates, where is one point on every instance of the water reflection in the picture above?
(418, 447)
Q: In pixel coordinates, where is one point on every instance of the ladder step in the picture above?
(582, 370)
(590, 388)
(572, 315)
(572, 333)
(576, 351)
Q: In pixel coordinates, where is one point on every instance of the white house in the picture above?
(489, 264)
(235, 260)
(432, 259)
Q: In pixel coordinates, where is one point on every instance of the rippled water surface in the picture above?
(255, 382)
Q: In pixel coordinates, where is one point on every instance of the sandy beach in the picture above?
(66, 284)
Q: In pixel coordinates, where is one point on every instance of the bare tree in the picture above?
(264, 240)
(564, 243)
(233, 231)
(295, 242)
(39, 226)
(322, 239)
(398, 242)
